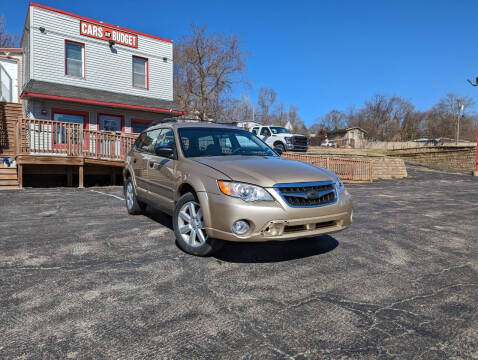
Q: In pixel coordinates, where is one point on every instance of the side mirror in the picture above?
(278, 151)
(165, 152)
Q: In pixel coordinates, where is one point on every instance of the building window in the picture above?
(140, 72)
(74, 59)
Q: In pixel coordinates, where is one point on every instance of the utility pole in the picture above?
(459, 115)
(476, 163)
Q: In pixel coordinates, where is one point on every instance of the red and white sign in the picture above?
(106, 33)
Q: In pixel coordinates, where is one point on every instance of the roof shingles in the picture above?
(44, 89)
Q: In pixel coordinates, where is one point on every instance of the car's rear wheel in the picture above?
(189, 227)
(133, 205)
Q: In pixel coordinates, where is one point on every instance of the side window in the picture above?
(147, 141)
(225, 144)
(254, 130)
(246, 143)
(204, 142)
(165, 139)
(265, 131)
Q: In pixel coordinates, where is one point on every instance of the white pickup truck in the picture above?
(280, 137)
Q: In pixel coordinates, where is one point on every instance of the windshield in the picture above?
(279, 130)
(197, 142)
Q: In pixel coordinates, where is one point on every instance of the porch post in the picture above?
(20, 175)
(80, 176)
(69, 176)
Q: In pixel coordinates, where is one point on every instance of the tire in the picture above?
(133, 205)
(189, 228)
(280, 146)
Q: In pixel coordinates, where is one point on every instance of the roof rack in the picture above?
(166, 120)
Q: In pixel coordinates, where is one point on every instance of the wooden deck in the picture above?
(55, 147)
(45, 142)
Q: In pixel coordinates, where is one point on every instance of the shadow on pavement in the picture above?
(160, 217)
(261, 252)
(275, 251)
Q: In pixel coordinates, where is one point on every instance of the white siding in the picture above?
(104, 70)
(26, 51)
(34, 109)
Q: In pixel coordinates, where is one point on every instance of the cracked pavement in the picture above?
(81, 279)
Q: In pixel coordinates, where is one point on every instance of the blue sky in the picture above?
(319, 55)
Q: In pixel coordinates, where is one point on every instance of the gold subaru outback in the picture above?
(223, 183)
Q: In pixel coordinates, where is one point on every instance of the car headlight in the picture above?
(243, 191)
(339, 186)
(288, 140)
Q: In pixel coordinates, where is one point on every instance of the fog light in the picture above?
(240, 227)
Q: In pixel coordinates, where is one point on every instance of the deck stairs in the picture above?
(8, 178)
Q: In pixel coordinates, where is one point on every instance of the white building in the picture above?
(87, 71)
(79, 81)
(10, 74)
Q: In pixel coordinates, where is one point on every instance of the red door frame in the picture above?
(86, 122)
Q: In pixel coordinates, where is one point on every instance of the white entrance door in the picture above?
(110, 123)
(8, 81)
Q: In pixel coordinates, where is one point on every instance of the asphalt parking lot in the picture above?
(80, 278)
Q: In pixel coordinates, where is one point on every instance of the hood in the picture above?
(265, 171)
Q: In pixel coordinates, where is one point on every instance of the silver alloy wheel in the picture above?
(129, 195)
(191, 224)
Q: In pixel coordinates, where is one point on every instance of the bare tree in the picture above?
(206, 66)
(280, 115)
(382, 116)
(237, 110)
(412, 125)
(298, 126)
(453, 107)
(333, 120)
(266, 98)
(7, 40)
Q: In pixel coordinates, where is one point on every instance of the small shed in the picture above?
(351, 137)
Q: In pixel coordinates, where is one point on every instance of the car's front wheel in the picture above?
(189, 227)
(280, 146)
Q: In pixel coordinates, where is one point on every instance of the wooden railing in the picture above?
(57, 138)
(348, 169)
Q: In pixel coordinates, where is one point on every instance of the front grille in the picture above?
(307, 194)
(299, 140)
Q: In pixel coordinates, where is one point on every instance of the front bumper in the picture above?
(294, 147)
(272, 220)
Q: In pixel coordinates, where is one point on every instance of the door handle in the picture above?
(151, 164)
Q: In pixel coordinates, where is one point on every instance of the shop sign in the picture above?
(106, 33)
